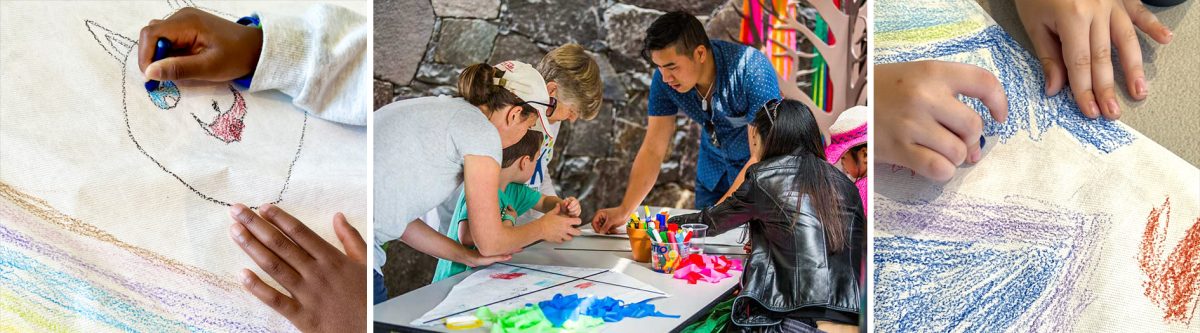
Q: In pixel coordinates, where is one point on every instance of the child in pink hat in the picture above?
(848, 144)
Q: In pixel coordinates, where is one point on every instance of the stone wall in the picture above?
(422, 45)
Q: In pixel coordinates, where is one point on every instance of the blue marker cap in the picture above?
(160, 52)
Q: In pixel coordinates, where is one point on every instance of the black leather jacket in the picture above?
(789, 267)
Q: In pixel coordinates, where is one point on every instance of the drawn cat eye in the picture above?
(166, 96)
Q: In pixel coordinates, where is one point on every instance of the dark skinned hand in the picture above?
(328, 289)
(204, 47)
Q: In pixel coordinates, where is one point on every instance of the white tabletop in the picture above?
(691, 302)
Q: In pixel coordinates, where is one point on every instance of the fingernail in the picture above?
(266, 209)
(976, 156)
(236, 211)
(245, 277)
(153, 72)
(238, 233)
(1095, 110)
(1140, 85)
(1113, 107)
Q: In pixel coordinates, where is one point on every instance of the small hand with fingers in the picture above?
(328, 288)
(1074, 40)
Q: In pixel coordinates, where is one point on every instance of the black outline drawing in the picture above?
(119, 47)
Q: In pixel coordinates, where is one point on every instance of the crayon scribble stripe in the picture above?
(216, 310)
(42, 210)
(83, 298)
(963, 264)
(44, 269)
(15, 311)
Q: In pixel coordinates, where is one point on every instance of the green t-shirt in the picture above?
(517, 197)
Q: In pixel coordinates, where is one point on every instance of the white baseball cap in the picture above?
(525, 82)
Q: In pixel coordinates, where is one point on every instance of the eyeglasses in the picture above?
(549, 107)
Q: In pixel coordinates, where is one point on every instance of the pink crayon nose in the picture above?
(228, 125)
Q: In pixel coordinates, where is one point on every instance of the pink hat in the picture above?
(848, 131)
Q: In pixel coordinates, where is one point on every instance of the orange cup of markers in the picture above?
(639, 243)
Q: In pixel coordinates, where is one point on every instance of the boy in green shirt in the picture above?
(519, 162)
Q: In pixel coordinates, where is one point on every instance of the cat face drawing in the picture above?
(224, 146)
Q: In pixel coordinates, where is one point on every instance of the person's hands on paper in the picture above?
(328, 288)
(204, 47)
(558, 227)
(921, 123)
(570, 207)
(1074, 40)
(609, 220)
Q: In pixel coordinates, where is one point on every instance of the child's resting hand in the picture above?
(326, 288)
(921, 123)
(204, 47)
(1074, 38)
(570, 207)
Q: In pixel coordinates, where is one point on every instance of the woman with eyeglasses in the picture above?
(806, 229)
(573, 83)
(425, 148)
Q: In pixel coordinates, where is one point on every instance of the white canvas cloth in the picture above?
(1054, 230)
(113, 209)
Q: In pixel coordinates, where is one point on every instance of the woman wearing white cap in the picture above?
(426, 147)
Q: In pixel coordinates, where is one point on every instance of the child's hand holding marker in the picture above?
(1074, 38)
(922, 124)
(199, 46)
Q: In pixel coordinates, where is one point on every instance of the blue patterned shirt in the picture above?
(745, 80)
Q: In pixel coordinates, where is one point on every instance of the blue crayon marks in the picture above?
(1021, 74)
(994, 287)
(80, 297)
(166, 96)
(966, 265)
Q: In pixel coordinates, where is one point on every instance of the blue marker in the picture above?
(981, 141)
(160, 52)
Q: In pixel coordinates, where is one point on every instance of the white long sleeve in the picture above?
(320, 60)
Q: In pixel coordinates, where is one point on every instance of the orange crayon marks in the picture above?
(1173, 278)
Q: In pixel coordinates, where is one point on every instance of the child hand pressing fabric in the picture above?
(326, 288)
(1074, 39)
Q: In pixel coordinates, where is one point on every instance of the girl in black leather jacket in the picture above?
(805, 220)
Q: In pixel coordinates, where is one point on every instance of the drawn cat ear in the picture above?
(115, 44)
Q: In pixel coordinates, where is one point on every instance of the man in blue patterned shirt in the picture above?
(719, 85)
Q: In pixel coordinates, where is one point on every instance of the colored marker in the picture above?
(981, 141)
(160, 52)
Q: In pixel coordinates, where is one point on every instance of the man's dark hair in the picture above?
(676, 28)
(528, 146)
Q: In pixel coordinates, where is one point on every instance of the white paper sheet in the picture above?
(508, 286)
